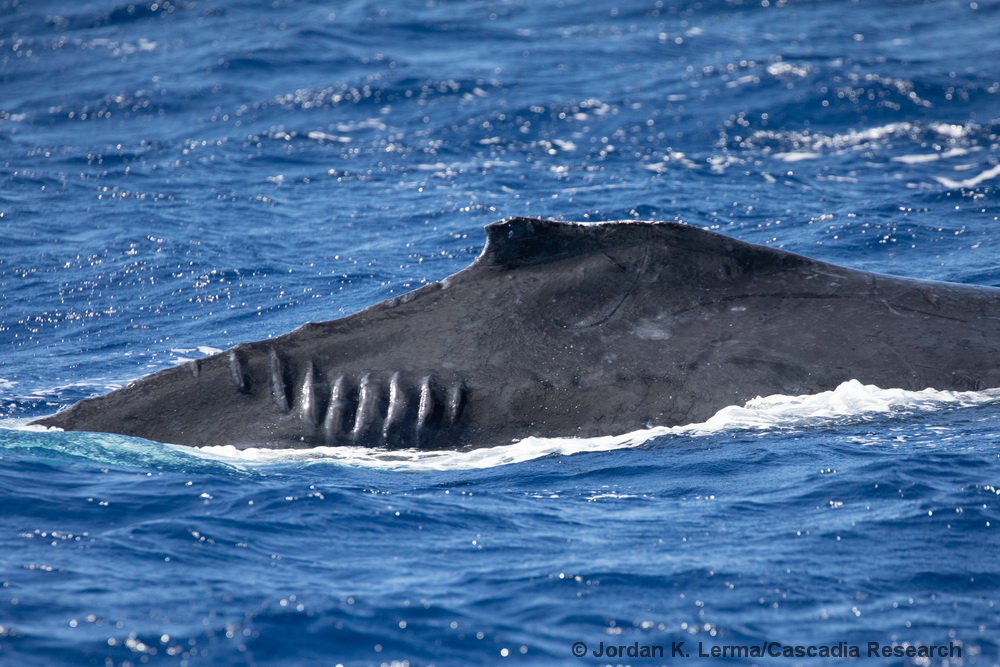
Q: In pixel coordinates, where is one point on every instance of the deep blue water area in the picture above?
(179, 176)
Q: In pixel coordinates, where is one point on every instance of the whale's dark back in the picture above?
(567, 329)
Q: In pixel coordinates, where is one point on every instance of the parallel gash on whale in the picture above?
(569, 329)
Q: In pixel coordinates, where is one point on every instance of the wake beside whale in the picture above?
(568, 329)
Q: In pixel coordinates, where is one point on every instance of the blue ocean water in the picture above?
(180, 176)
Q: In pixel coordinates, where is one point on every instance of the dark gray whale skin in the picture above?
(568, 329)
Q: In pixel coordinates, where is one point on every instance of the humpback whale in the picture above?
(568, 329)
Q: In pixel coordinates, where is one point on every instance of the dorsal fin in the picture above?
(514, 242)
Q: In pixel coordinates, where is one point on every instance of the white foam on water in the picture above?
(981, 177)
(797, 156)
(851, 400)
(921, 158)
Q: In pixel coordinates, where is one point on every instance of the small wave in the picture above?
(987, 175)
(851, 401)
(17, 436)
(921, 158)
(795, 141)
(797, 156)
